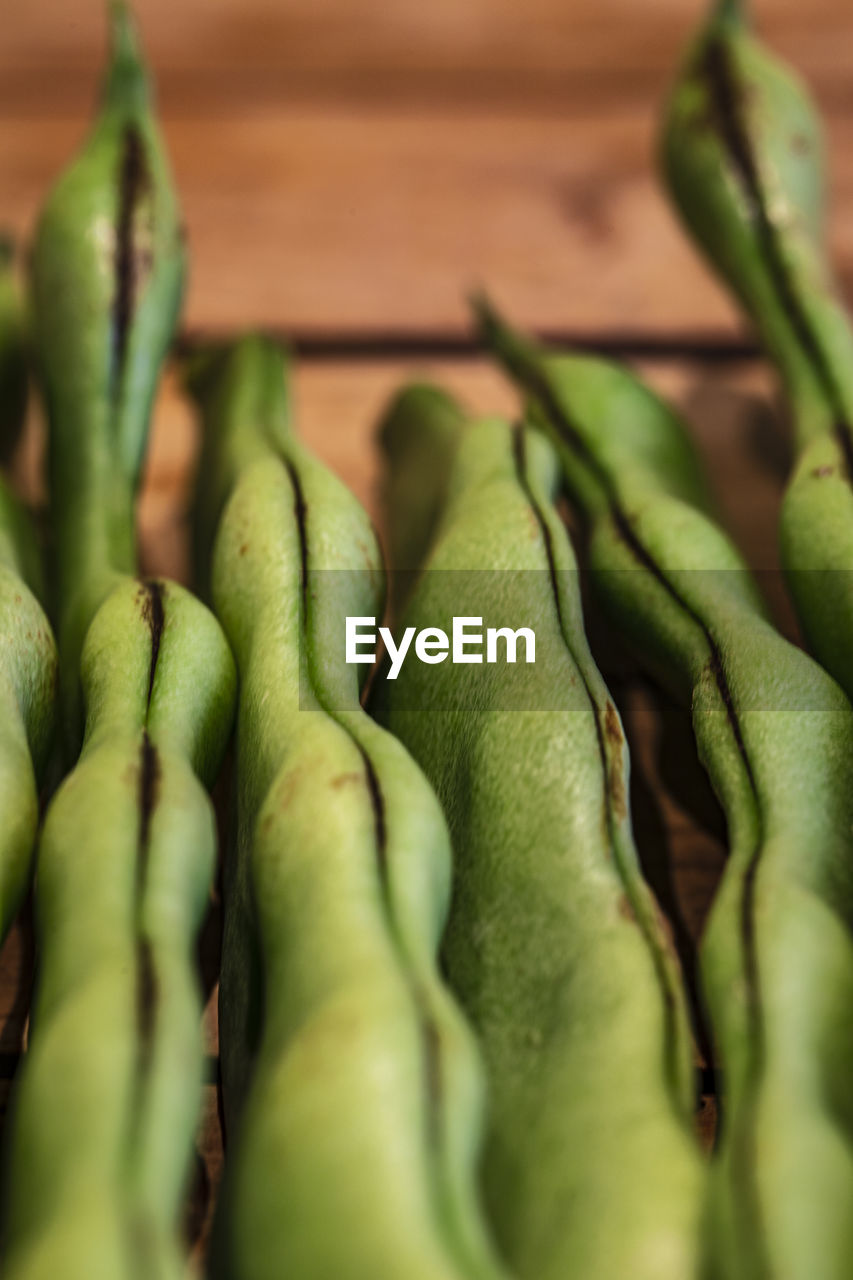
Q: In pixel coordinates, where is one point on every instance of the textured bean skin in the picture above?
(106, 276)
(775, 734)
(743, 159)
(351, 1088)
(108, 1101)
(105, 1111)
(554, 944)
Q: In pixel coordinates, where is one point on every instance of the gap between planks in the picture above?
(627, 344)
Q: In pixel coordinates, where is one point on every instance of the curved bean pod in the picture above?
(555, 945)
(107, 1105)
(351, 1086)
(106, 276)
(743, 159)
(108, 1099)
(775, 733)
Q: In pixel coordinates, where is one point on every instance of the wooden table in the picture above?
(348, 171)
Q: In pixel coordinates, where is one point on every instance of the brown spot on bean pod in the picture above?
(345, 778)
(612, 727)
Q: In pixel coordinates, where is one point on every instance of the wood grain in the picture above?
(230, 57)
(374, 211)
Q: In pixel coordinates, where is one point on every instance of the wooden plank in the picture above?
(327, 219)
(447, 146)
(359, 221)
(229, 55)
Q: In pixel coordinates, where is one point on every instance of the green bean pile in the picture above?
(742, 156)
(352, 1095)
(775, 733)
(554, 942)
(28, 661)
(415, 831)
(107, 1104)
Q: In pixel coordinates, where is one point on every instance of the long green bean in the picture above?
(352, 1095)
(555, 945)
(775, 734)
(106, 275)
(107, 1104)
(743, 159)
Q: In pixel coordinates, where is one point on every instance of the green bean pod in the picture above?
(107, 1104)
(351, 1085)
(555, 946)
(107, 271)
(743, 159)
(775, 734)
